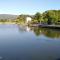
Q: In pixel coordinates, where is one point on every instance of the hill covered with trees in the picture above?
(8, 16)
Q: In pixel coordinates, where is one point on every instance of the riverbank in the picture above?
(46, 26)
(7, 23)
(50, 26)
(35, 25)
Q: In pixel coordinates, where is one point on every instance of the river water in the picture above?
(29, 43)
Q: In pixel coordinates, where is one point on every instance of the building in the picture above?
(28, 19)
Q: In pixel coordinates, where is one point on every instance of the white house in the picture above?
(28, 19)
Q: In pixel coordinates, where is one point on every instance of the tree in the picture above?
(52, 16)
(21, 19)
(37, 17)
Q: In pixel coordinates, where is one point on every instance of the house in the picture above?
(28, 19)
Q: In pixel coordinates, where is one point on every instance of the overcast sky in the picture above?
(27, 6)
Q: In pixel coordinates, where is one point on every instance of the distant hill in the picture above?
(8, 16)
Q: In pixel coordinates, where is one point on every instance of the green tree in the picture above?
(21, 19)
(51, 16)
(37, 17)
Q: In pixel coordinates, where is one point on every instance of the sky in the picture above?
(18, 7)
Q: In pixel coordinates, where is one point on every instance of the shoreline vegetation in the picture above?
(48, 19)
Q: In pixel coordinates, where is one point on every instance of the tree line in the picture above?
(48, 17)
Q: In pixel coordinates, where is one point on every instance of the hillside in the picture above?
(8, 16)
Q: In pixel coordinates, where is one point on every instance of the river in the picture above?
(28, 43)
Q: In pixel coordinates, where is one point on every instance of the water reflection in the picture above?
(51, 33)
(28, 45)
(24, 28)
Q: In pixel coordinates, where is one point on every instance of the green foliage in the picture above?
(48, 17)
(21, 19)
(51, 16)
(37, 17)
